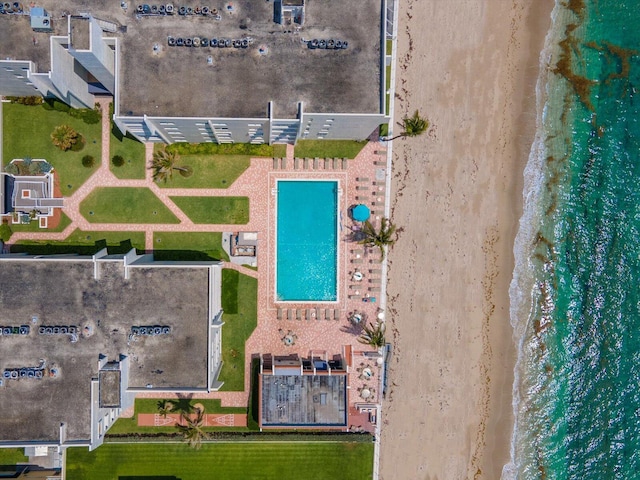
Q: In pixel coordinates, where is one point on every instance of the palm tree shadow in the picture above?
(183, 403)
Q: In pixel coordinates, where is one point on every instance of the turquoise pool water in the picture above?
(306, 238)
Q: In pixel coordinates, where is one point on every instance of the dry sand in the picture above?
(470, 66)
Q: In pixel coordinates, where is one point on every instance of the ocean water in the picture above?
(575, 294)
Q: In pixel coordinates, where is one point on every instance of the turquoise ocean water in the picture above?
(307, 241)
(575, 295)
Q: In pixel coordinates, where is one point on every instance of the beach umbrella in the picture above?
(361, 213)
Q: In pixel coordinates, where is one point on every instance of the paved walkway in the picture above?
(362, 181)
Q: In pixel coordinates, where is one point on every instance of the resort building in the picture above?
(249, 72)
(25, 197)
(83, 334)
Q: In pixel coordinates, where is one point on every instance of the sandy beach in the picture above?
(470, 67)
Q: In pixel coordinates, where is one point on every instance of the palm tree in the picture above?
(164, 163)
(191, 429)
(373, 335)
(413, 126)
(378, 238)
(64, 137)
(164, 407)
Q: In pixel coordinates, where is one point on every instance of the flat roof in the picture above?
(304, 400)
(179, 81)
(65, 293)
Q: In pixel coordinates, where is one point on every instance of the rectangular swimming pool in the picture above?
(307, 241)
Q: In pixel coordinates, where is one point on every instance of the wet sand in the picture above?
(470, 67)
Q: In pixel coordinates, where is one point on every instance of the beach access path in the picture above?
(470, 67)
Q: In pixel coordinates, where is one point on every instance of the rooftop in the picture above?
(304, 400)
(64, 294)
(239, 82)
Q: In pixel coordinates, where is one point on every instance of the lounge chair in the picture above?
(326, 164)
(375, 271)
(374, 289)
(374, 280)
(284, 163)
(355, 297)
(357, 251)
(345, 163)
(279, 316)
(327, 314)
(362, 187)
(289, 315)
(354, 287)
(298, 314)
(380, 152)
(362, 179)
(336, 314)
(307, 314)
(296, 163)
(335, 163)
(318, 314)
(275, 163)
(315, 163)
(356, 260)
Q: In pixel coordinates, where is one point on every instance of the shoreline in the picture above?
(471, 70)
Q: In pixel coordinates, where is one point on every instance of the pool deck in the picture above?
(362, 181)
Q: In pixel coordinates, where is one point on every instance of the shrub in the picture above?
(12, 168)
(221, 149)
(45, 167)
(61, 107)
(5, 232)
(88, 161)
(27, 161)
(32, 100)
(87, 115)
(79, 145)
(35, 168)
(117, 161)
(64, 137)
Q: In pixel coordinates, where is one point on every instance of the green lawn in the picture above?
(388, 86)
(215, 210)
(84, 243)
(33, 226)
(328, 148)
(209, 171)
(12, 456)
(125, 205)
(27, 131)
(223, 461)
(192, 246)
(239, 302)
(389, 47)
(279, 150)
(133, 153)
(150, 405)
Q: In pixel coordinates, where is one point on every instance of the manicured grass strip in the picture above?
(188, 246)
(389, 47)
(249, 149)
(27, 131)
(238, 327)
(279, 150)
(83, 243)
(125, 205)
(224, 461)
(209, 171)
(131, 150)
(12, 456)
(33, 226)
(150, 405)
(328, 148)
(215, 210)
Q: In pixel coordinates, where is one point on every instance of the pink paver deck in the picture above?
(210, 420)
(363, 181)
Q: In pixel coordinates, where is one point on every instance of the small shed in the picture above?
(40, 20)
